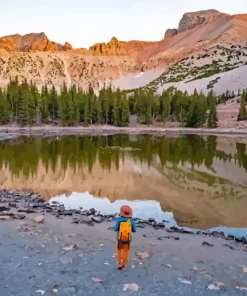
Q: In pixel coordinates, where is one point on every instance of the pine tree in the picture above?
(165, 106)
(4, 108)
(117, 109)
(242, 110)
(212, 117)
(76, 104)
(44, 105)
(12, 96)
(125, 118)
(53, 105)
(85, 112)
(212, 120)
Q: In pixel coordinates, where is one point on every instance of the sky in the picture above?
(84, 23)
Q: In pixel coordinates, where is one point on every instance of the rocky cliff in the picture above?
(190, 20)
(33, 42)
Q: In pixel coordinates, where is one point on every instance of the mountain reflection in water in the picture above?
(201, 180)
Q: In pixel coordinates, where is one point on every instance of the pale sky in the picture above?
(83, 23)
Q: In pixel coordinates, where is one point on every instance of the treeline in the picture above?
(194, 110)
(23, 104)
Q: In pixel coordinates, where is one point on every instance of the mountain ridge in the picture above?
(35, 57)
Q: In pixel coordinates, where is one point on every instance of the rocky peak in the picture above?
(114, 40)
(192, 19)
(114, 47)
(67, 46)
(32, 42)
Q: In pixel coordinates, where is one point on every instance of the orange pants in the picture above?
(125, 248)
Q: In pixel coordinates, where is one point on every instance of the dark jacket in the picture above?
(117, 225)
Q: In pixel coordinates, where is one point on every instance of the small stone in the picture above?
(216, 286)
(160, 225)
(168, 237)
(3, 208)
(41, 292)
(142, 255)
(39, 219)
(18, 216)
(218, 234)
(96, 219)
(72, 248)
(229, 247)
(92, 211)
(55, 202)
(244, 240)
(4, 218)
(241, 288)
(183, 281)
(85, 212)
(96, 280)
(68, 213)
(207, 244)
(12, 204)
(140, 225)
(132, 287)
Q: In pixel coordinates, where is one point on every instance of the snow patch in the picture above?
(139, 74)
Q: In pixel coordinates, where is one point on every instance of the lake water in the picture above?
(194, 181)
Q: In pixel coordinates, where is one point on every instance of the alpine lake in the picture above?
(193, 181)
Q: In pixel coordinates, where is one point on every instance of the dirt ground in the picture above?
(38, 259)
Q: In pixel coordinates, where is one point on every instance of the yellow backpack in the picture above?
(125, 231)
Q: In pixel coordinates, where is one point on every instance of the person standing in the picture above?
(124, 227)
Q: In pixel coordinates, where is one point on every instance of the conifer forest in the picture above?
(22, 103)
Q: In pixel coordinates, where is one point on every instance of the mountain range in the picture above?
(205, 41)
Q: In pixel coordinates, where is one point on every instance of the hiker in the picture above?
(125, 225)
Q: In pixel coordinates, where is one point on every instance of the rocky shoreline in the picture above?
(111, 130)
(17, 205)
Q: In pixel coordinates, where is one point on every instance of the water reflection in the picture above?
(201, 180)
(141, 209)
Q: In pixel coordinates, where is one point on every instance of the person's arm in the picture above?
(133, 225)
(116, 227)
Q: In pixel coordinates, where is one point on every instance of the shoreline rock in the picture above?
(31, 203)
